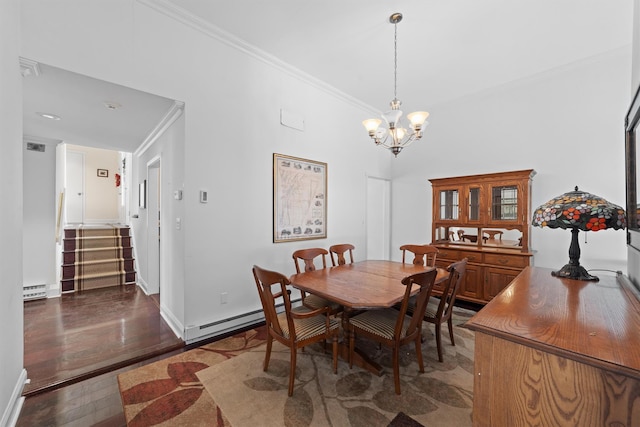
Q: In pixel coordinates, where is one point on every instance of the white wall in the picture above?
(39, 216)
(12, 374)
(635, 73)
(567, 124)
(224, 153)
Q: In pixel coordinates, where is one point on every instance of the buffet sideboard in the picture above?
(558, 352)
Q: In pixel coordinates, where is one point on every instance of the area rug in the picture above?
(223, 384)
(168, 393)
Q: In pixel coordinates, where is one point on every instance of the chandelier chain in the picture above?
(395, 61)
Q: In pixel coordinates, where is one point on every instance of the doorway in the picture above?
(93, 196)
(378, 218)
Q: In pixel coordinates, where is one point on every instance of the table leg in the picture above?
(359, 358)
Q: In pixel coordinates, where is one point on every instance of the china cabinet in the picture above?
(485, 218)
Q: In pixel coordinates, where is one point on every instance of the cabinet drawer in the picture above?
(472, 256)
(505, 260)
(448, 254)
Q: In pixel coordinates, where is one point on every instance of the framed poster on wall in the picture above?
(299, 199)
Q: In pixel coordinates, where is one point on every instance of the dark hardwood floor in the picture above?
(76, 345)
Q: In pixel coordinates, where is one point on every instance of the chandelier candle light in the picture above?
(396, 137)
(578, 210)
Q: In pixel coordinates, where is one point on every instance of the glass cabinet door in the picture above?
(449, 204)
(474, 204)
(504, 203)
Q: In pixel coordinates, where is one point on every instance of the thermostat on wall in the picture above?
(203, 196)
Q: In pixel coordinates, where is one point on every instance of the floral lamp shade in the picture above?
(578, 210)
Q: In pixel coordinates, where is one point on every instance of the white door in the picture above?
(153, 228)
(74, 194)
(378, 218)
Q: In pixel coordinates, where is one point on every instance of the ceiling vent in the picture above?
(32, 146)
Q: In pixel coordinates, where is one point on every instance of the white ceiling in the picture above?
(446, 50)
(80, 101)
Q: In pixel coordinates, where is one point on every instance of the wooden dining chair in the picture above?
(442, 312)
(308, 256)
(392, 327)
(338, 252)
(422, 254)
(491, 234)
(294, 329)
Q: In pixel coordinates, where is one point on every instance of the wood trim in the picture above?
(488, 177)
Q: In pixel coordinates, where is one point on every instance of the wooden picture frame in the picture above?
(103, 173)
(631, 125)
(299, 199)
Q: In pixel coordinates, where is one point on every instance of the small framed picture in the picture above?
(103, 173)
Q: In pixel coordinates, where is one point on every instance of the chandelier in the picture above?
(395, 137)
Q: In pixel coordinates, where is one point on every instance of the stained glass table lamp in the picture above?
(578, 210)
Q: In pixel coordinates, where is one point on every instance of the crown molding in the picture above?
(170, 10)
(169, 118)
(40, 140)
(29, 67)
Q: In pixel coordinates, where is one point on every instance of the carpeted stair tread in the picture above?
(100, 275)
(96, 242)
(96, 231)
(99, 280)
(102, 248)
(70, 257)
(98, 261)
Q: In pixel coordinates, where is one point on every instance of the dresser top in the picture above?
(597, 323)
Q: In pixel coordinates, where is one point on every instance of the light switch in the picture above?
(178, 223)
(177, 194)
(203, 196)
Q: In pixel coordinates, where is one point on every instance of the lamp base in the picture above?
(576, 272)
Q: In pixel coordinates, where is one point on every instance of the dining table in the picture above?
(363, 285)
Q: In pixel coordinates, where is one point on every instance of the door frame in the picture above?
(154, 215)
(378, 217)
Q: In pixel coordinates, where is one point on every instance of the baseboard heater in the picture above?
(31, 292)
(209, 330)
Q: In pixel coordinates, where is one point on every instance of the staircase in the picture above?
(97, 257)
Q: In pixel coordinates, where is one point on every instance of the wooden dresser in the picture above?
(558, 352)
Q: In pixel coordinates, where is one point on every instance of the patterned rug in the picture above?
(223, 384)
(168, 393)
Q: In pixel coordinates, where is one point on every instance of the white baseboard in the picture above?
(12, 411)
(142, 284)
(175, 325)
(54, 291)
